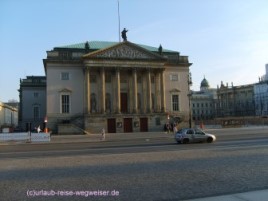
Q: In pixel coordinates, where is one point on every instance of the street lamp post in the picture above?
(168, 123)
(189, 96)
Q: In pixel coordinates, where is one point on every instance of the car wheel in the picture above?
(210, 139)
(179, 142)
(185, 141)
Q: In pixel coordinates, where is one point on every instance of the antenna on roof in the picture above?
(118, 21)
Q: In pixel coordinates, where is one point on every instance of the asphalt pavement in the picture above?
(260, 195)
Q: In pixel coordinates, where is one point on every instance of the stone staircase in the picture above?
(73, 125)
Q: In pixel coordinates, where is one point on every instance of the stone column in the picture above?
(149, 92)
(118, 98)
(163, 95)
(144, 93)
(157, 92)
(87, 91)
(135, 91)
(103, 92)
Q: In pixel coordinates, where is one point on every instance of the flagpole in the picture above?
(118, 21)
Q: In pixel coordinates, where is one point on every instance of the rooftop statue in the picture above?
(160, 49)
(124, 34)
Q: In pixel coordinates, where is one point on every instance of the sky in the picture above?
(224, 40)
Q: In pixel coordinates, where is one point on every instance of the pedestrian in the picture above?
(38, 129)
(103, 134)
(175, 129)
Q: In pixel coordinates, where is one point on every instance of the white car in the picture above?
(188, 135)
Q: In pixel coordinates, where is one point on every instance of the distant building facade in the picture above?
(122, 87)
(203, 102)
(264, 77)
(261, 95)
(32, 94)
(235, 100)
(261, 98)
(8, 117)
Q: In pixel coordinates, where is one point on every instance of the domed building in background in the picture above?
(203, 102)
(204, 86)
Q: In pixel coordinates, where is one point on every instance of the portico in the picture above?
(149, 89)
(128, 82)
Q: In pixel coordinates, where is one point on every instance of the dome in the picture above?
(204, 84)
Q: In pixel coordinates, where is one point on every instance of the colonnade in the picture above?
(160, 102)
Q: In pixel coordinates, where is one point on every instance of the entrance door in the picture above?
(124, 102)
(111, 125)
(128, 125)
(144, 124)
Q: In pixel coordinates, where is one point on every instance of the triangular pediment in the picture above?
(174, 90)
(65, 90)
(124, 50)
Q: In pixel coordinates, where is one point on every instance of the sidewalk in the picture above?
(261, 195)
(109, 137)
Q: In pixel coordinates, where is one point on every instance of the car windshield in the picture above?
(200, 132)
(181, 130)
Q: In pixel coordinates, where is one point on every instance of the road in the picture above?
(143, 170)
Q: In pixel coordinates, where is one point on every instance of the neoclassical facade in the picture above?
(122, 87)
(235, 100)
(204, 102)
(32, 94)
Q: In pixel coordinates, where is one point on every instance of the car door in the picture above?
(190, 135)
(199, 136)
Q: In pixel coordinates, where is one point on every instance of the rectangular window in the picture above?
(139, 79)
(108, 78)
(152, 79)
(65, 104)
(124, 79)
(174, 77)
(175, 102)
(93, 78)
(65, 76)
(157, 121)
(36, 94)
(65, 55)
(36, 112)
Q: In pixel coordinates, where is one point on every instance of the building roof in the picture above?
(96, 45)
(124, 54)
(204, 83)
